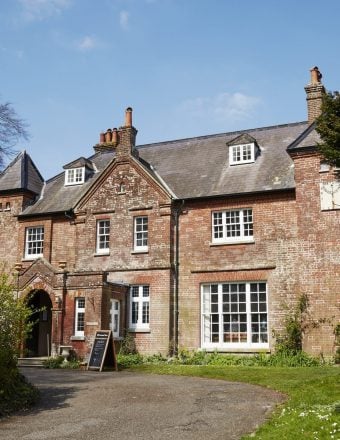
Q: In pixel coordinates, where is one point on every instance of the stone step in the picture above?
(31, 362)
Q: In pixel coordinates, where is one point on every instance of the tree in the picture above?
(328, 127)
(14, 322)
(12, 128)
(15, 325)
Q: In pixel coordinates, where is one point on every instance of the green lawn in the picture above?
(313, 393)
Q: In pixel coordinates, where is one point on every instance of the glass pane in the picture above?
(134, 314)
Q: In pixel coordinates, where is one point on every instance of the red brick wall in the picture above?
(271, 257)
(9, 229)
(296, 250)
(318, 253)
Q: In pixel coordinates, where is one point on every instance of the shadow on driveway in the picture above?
(87, 405)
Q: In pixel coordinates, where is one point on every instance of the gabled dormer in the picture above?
(243, 149)
(78, 171)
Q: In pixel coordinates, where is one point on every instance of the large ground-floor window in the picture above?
(234, 315)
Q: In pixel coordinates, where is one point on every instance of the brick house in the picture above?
(195, 243)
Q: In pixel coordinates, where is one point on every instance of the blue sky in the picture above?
(187, 67)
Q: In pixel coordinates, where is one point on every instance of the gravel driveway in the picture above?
(89, 405)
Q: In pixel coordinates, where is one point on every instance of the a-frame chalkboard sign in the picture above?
(103, 352)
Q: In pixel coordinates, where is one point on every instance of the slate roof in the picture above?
(56, 197)
(197, 167)
(308, 139)
(21, 174)
(80, 162)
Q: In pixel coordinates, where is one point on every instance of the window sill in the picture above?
(239, 349)
(142, 251)
(139, 330)
(101, 254)
(32, 258)
(228, 243)
(77, 338)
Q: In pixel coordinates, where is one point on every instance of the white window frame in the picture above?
(329, 195)
(103, 236)
(115, 317)
(75, 176)
(139, 316)
(79, 316)
(141, 233)
(34, 242)
(239, 154)
(222, 224)
(253, 309)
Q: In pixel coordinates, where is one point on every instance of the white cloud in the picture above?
(41, 9)
(85, 44)
(124, 17)
(224, 107)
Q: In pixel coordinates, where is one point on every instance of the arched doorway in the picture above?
(39, 341)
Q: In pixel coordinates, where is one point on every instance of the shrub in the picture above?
(53, 362)
(15, 392)
(14, 322)
(129, 360)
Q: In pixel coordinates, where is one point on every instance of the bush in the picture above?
(15, 392)
(278, 359)
(129, 360)
(14, 322)
(53, 362)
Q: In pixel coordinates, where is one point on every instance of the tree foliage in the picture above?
(328, 127)
(14, 322)
(12, 128)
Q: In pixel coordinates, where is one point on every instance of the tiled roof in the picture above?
(308, 138)
(196, 167)
(56, 197)
(199, 167)
(21, 174)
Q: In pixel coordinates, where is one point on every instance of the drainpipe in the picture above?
(62, 302)
(178, 212)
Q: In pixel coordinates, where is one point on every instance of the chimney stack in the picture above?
(127, 138)
(121, 141)
(314, 90)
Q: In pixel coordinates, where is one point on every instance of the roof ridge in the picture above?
(12, 162)
(269, 127)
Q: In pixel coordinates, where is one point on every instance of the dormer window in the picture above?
(75, 176)
(243, 153)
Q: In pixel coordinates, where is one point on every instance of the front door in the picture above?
(38, 342)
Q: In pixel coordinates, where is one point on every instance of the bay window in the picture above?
(234, 315)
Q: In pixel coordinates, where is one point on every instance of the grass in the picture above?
(312, 408)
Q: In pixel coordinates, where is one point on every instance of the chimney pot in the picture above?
(315, 75)
(108, 135)
(128, 117)
(114, 136)
(102, 138)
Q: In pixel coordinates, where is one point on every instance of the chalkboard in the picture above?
(103, 351)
